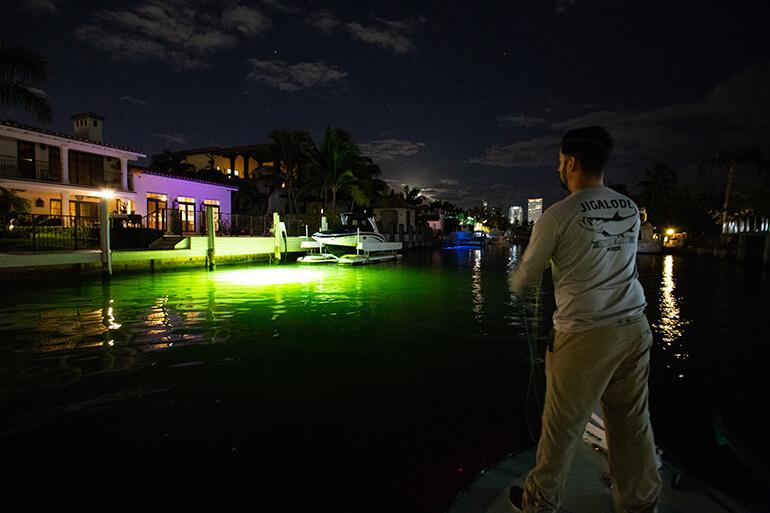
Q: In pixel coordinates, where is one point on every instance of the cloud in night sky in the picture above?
(137, 101)
(738, 108)
(537, 152)
(246, 20)
(293, 77)
(323, 20)
(564, 6)
(174, 31)
(519, 120)
(392, 35)
(277, 5)
(389, 149)
(41, 6)
(178, 139)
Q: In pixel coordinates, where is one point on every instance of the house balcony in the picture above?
(28, 169)
(15, 168)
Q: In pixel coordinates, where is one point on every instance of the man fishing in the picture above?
(601, 349)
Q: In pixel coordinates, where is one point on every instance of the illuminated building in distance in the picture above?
(516, 215)
(534, 209)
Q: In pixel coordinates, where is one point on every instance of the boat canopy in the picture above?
(364, 222)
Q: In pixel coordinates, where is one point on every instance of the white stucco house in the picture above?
(157, 193)
(67, 175)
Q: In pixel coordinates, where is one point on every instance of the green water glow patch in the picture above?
(269, 276)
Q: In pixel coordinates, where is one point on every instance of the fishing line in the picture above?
(532, 339)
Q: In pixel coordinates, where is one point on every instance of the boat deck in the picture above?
(587, 488)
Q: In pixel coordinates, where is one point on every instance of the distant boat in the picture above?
(495, 236)
(466, 239)
(648, 242)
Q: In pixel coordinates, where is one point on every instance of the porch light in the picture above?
(106, 193)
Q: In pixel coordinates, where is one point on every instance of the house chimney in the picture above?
(88, 125)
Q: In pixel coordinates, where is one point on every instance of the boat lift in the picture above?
(366, 252)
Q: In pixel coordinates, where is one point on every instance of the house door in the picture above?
(156, 213)
(187, 215)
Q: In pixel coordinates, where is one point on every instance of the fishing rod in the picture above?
(532, 334)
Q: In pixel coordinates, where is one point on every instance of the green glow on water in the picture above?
(268, 276)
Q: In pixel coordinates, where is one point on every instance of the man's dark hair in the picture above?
(590, 145)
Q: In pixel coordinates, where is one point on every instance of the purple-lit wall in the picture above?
(145, 182)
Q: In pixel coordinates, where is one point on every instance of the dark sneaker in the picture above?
(515, 495)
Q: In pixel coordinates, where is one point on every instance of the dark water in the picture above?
(382, 388)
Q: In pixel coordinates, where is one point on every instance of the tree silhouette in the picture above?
(21, 70)
(727, 161)
(413, 196)
(290, 148)
(334, 162)
(11, 202)
(172, 162)
(658, 193)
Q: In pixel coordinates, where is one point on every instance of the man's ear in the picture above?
(571, 163)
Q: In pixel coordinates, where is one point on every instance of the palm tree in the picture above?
(290, 149)
(21, 70)
(172, 162)
(10, 202)
(727, 161)
(249, 200)
(335, 161)
(366, 189)
(659, 192)
(412, 195)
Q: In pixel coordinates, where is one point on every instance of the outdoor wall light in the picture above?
(39, 202)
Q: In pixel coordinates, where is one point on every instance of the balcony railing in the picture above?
(28, 169)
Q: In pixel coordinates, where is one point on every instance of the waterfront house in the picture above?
(236, 161)
(66, 175)
(394, 220)
(158, 193)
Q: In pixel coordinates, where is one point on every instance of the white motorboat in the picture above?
(648, 241)
(355, 228)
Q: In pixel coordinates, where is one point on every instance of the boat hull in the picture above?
(344, 242)
(648, 247)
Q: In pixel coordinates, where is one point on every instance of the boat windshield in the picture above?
(359, 221)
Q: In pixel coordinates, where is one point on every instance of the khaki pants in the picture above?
(609, 365)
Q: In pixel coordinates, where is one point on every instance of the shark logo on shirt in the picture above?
(615, 226)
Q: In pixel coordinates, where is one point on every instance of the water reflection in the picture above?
(478, 298)
(671, 325)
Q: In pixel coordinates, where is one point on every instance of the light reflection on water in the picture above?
(478, 297)
(670, 324)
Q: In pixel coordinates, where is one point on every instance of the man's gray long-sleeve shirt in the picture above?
(590, 238)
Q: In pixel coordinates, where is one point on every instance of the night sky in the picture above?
(465, 100)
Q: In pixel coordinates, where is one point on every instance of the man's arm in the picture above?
(542, 242)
